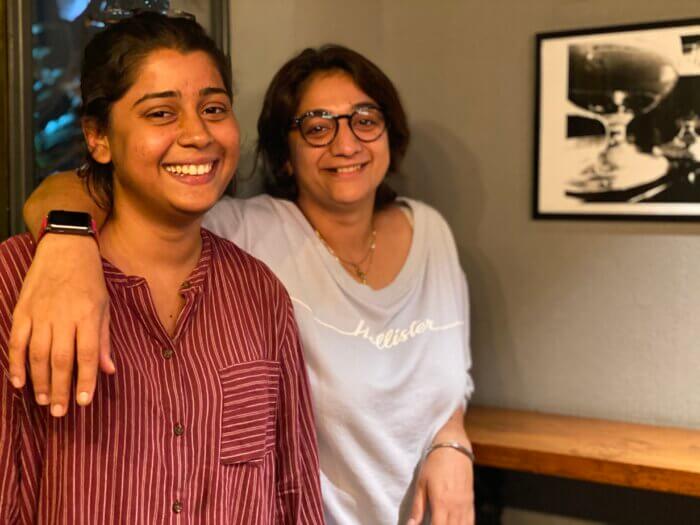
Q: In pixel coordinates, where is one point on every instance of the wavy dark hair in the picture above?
(110, 64)
(282, 101)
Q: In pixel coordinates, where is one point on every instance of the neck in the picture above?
(347, 232)
(139, 245)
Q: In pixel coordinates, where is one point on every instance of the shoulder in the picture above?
(233, 262)
(433, 233)
(240, 220)
(425, 213)
(230, 207)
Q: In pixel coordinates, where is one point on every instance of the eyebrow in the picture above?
(174, 94)
(213, 91)
(355, 107)
(367, 104)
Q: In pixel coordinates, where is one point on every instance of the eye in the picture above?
(315, 130)
(368, 118)
(216, 111)
(160, 116)
(316, 126)
(367, 122)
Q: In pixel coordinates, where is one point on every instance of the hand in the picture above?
(63, 308)
(445, 481)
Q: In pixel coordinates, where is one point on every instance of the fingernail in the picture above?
(16, 382)
(57, 410)
(42, 399)
(83, 398)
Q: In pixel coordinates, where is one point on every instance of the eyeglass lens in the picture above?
(319, 129)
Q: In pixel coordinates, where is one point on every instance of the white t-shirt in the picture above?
(387, 367)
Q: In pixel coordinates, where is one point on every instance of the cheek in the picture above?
(140, 148)
(153, 145)
(229, 137)
(306, 157)
(382, 152)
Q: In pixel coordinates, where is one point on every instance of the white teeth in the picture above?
(349, 169)
(189, 169)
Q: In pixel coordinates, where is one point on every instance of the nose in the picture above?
(345, 143)
(194, 132)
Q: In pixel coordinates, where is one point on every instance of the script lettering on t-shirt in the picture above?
(395, 336)
(389, 338)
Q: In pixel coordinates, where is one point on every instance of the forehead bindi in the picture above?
(333, 91)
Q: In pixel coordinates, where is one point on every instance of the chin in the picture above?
(194, 208)
(202, 200)
(348, 198)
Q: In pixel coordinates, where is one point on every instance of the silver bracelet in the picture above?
(451, 444)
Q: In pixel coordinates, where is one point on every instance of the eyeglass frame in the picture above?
(296, 123)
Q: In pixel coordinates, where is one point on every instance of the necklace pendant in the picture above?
(362, 275)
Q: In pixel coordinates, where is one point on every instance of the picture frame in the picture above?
(617, 123)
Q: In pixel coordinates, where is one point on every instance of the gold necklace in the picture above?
(355, 266)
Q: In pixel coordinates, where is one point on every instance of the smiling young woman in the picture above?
(175, 136)
(208, 418)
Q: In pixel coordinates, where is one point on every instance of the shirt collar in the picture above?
(194, 282)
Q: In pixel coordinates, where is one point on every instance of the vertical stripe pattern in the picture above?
(212, 425)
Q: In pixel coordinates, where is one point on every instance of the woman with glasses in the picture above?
(378, 293)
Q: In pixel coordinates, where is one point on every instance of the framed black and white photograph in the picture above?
(618, 122)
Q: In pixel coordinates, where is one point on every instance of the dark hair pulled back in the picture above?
(110, 64)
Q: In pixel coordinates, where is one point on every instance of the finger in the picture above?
(17, 349)
(62, 357)
(106, 362)
(470, 517)
(87, 357)
(456, 517)
(438, 516)
(39, 365)
(418, 507)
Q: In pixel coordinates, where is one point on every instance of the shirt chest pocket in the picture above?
(249, 414)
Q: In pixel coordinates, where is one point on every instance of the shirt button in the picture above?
(167, 353)
(177, 506)
(179, 429)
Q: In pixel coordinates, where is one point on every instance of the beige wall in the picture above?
(589, 318)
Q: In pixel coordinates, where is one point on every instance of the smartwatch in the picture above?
(72, 222)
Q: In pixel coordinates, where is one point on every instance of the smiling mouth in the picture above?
(190, 169)
(348, 169)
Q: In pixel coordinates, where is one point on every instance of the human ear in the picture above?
(97, 141)
(288, 170)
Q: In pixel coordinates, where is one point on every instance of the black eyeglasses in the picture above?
(319, 127)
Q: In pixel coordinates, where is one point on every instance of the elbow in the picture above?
(30, 214)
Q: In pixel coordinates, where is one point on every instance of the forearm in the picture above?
(453, 430)
(61, 191)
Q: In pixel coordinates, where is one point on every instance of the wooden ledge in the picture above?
(640, 456)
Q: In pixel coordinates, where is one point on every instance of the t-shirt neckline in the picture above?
(401, 284)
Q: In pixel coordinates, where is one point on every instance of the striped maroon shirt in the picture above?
(212, 425)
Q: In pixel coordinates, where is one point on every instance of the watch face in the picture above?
(69, 219)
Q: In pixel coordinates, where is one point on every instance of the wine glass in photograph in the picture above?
(615, 83)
